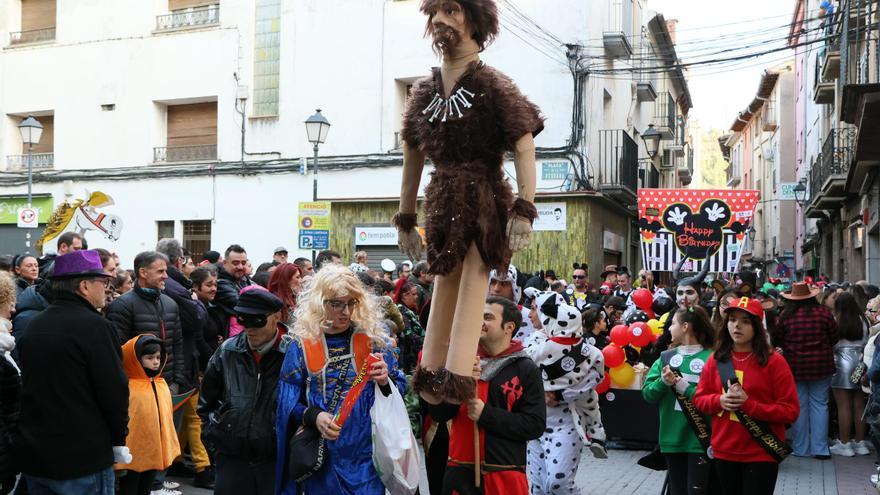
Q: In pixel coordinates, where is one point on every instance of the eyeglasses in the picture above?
(337, 305)
(104, 281)
(578, 277)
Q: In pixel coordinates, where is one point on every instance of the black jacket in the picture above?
(238, 401)
(74, 404)
(514, 414)
(193, 317)
(137, 312)
(228, 289)
(10, 406)
(215, 331)
(30, 303)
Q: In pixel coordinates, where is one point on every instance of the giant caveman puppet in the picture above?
(464, 117)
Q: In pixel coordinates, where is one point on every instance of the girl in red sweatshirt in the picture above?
(758, 390)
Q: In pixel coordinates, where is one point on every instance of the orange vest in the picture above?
(316, 355)
(151, 438)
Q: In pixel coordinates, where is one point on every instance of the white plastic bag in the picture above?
(395, 451)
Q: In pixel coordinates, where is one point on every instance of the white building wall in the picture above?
(351, 58)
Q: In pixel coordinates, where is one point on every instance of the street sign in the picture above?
(28, 218)
(786, 191)
(314, 239)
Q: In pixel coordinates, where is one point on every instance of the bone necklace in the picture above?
(451, 107)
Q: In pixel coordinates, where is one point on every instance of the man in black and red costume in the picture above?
(464, 117)
(509, 410)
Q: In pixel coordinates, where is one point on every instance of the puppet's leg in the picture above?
(466, 326)
(426, 380)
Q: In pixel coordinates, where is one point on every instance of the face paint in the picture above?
(686, 297)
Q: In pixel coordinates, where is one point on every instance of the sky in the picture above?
(708, 26)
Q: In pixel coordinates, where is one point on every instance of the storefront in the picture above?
(12, 238)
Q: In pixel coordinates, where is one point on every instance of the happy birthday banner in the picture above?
(693, 222)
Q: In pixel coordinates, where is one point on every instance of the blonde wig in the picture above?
(7, 295)
(334, 282)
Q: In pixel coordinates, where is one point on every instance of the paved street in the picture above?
(620, 475)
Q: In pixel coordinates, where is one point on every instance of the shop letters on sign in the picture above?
(677, 223)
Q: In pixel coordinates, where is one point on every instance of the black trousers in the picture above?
(234, 476)
(747, 478)
(135, 483)
(688, 473)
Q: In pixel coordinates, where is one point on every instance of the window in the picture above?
(191, 132)
(267, 58)
(43, 156)
(165, 229)
(197, 237)
(37, 22)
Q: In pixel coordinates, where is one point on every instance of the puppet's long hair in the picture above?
(482, 15)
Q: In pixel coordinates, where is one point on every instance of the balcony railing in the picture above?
(828, 176)
(39, 161)
(618, 165)
(618, 35)
(200, 153)
(664, 115)
(34, 36)
(208, 15)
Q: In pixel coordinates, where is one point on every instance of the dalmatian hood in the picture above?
(510, 276)
(558, 318)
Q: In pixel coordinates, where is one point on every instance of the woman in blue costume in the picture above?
(337, 327)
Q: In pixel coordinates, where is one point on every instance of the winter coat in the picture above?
(10, 406)
(151, 438)
(237, 401)
(193, 317)
(74, 402)
(215, 331)
(228, 289)
(30, 302)
(142, 311)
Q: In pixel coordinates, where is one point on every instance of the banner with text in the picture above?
(705, 225)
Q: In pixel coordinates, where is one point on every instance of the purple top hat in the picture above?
(78, 264)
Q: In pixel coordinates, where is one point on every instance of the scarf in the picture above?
(7, 342)
(491, 365)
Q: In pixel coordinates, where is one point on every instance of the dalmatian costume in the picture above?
(571, 368)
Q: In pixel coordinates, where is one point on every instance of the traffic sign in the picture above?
(314, 239)
(28, 218)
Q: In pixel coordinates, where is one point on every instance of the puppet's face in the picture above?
(449, 25)
(686, 296)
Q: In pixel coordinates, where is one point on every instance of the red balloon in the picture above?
(640, 334)
(620, 336)
(604, 385)
(614, 356)
(643, 299)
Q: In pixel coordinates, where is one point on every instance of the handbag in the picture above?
(306, 449)
(856, 377)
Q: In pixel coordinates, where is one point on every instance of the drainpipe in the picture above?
(634, 101)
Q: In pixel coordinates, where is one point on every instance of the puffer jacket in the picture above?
(30, 303)
(141, 311)
(238, 400)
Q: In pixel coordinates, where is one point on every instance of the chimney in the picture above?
(670, 26)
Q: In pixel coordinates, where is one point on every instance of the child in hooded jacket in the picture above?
(152, 439)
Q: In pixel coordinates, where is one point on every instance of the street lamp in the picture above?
(317, 127)
(31, 131)
(652, 141)
(800, 197)
(752, 233)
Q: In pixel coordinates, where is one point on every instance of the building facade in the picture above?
(189, 114)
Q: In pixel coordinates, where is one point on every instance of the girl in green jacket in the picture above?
(674, 377)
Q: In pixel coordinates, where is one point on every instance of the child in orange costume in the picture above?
(151, 438)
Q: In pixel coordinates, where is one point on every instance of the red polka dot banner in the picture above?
(703, 225)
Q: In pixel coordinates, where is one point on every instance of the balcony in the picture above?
(823, 91)
(831, 61)
(768, 116)
(199, 153)
(829, 173)
(619, 32)
(664, 116)
(39, 161)
(189, 18)
(618, 166)
(33, 36)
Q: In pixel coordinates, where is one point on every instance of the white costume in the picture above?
(571, 368)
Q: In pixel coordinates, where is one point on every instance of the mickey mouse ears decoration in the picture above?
(579, 266)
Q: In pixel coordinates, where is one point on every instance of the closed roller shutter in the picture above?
(377, 253)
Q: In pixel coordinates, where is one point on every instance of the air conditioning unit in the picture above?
(668, 161)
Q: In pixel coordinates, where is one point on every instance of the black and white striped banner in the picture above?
(660, 254)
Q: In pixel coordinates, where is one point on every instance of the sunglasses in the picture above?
(578, 276)
(337, 305)
(252, 321)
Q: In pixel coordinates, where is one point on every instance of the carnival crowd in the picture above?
(294, 377)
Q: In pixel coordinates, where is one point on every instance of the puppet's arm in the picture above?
(409, 240)
(523, 213)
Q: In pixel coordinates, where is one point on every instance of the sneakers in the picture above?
(842, 449)
(860, 448)
(165, 491)
(598, 449)
(204, 478)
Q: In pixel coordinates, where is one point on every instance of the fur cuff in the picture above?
(443, 384)
(524, 209)
(408, 221)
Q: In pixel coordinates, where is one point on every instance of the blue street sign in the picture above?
(314, 239)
